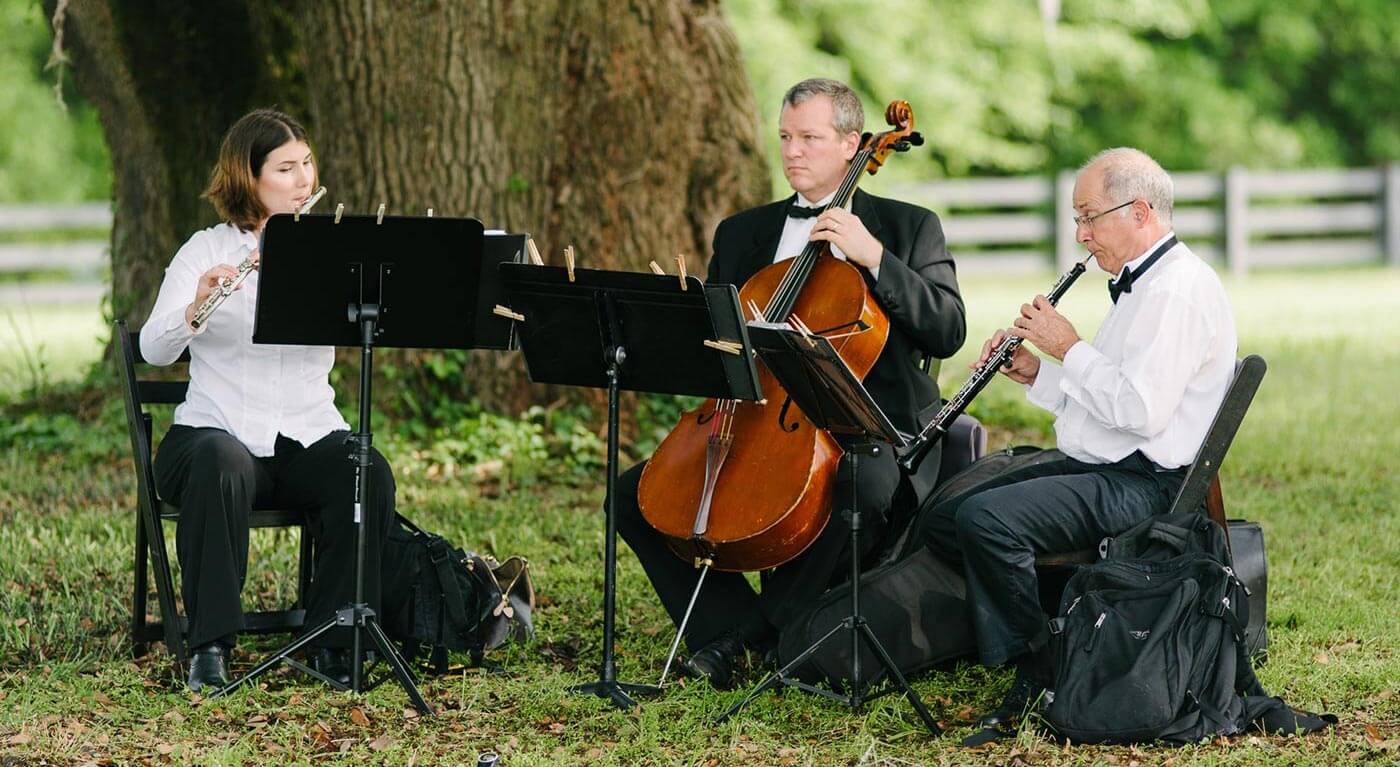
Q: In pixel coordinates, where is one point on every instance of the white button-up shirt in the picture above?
(252, 391)
(1156, 372)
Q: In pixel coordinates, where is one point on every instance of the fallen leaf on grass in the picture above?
(410, 713)
(358, 716)
(20, 739)
(165, 749)
(1322, 659)
(380, 743)
(101, 697)
(257, 720)
(21, 623)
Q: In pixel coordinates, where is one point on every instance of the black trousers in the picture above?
(728, 602)
(996, 529)
(216, 482)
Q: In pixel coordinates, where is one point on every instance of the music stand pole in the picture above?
(826, 390)
(359, 616)
(607, 685)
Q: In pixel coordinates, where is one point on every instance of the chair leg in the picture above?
(165, 587)
(138, 594)
(306, 568)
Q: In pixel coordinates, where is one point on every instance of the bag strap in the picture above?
(1178, 538)
(440, 554)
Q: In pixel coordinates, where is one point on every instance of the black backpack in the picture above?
(1150, 644)
(437, 598)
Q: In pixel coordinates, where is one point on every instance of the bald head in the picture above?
(1130, 174)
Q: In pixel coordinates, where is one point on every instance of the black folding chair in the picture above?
(1201, 487)
(152, 511)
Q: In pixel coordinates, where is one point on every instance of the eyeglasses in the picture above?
(1089, 220)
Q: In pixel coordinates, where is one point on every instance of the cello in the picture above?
(745, 486)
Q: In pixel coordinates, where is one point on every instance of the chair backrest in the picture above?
(1200, 476)
(136, 394)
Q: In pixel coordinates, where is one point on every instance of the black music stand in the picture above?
(833, 398)
(365, 281)
(639, 332)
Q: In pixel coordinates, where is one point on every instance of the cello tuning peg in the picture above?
(901, 146)
(915, 138)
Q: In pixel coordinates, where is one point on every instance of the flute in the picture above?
(983, 375)
(229, 284)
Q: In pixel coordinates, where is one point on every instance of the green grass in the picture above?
(1314, 463)
(42, 345)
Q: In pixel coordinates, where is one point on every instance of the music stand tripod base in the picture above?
(859, 631)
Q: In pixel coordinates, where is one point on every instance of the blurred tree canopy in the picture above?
(1201, 84)
(997, 89)
(45, 153)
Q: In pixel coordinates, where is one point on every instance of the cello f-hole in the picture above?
(782, 417)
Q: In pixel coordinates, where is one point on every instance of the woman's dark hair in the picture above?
(233, 183)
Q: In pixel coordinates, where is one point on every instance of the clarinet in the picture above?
(245, 268)
(938, 428)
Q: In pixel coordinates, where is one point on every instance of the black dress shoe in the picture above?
(208, 667)
(334, 662)
(1023, 694)
(715, 661)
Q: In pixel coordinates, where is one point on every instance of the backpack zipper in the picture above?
(1089, 646)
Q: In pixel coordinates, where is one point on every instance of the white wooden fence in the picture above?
(67, 269)
(1240, 220)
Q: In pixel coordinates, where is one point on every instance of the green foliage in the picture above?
(1201, 84)
(46, 154)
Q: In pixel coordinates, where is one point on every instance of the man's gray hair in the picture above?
(847, 116)
(1130, 174)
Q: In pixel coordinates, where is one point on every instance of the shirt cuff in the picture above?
(1045, 389)
(1079, 359)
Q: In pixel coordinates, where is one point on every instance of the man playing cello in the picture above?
(902, 255)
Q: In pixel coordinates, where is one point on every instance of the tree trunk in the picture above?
(167, 78)
(627, 131)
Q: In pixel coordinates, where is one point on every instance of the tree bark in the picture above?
(626, 130)
(167, 78)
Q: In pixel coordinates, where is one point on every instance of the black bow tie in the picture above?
(1124, 284)
(800, 211)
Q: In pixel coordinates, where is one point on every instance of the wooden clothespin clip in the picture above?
(430, 212)
(680, 265)
(656, 268)
(569, 261)
(533, 251)
(802, 328)
(728, 347)
(502, 311)
(339, 209)
(379, 217)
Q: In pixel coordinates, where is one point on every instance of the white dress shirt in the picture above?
(797, 232)
(1156, 372)
(252, 391)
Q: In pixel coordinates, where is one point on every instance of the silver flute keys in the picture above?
(229, 284)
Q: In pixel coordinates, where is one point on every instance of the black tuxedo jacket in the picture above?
(918, 289)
